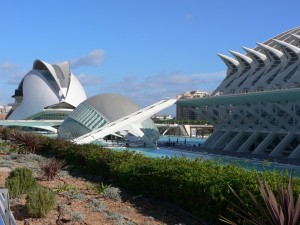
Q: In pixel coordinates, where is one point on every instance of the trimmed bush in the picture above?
(20, 181)
(199, 186)
(39, 201)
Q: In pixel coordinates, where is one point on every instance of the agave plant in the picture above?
(51, 167)
(283, 211)
(98, 188)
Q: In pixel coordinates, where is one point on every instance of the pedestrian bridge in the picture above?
(43, 124)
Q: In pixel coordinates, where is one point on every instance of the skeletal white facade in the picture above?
(256, 108)
(47, 92)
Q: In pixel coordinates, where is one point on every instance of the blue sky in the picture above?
(145, 50)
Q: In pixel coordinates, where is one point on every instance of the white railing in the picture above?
(7, 217)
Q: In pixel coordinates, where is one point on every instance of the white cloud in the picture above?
(8, 66)
(158, 87)
(94, 58)
(88, 80)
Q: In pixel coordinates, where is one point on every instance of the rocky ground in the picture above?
(79, 203)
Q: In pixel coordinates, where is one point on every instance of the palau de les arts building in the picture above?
(256, 109)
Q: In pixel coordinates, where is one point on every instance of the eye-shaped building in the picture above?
(99, 110)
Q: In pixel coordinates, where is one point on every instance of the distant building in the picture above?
(188, 113)
(4, 110)
(162, 117)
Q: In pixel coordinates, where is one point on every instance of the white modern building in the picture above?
(47, 92)
(256, 109)
(162, 117)
(104, 110)
(51, 98)
(4, 110)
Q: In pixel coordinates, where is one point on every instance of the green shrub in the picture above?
(64, 188)
(20, 181)
(39, 201)
(97, 187)
(199, 186)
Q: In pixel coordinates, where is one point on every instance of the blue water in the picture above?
(182, 140)
(171, 152)
(191, 141)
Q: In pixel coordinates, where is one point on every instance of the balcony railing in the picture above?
(7, 217)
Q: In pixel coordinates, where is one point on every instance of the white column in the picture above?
(282, 145)
(295, 153)
(221, 140)
(234, 142)
(262, 146)
(212, 138)
(248, 142)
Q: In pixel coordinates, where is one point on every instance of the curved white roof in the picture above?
(47, 85)
(112, 106)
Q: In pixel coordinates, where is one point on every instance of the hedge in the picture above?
(199, 186)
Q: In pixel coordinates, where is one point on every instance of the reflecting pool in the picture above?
(165, 151)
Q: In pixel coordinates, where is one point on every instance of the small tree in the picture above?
(39, 201)
(20, 181)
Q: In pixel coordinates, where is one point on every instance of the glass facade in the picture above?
(49, 116)
(83, 120)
